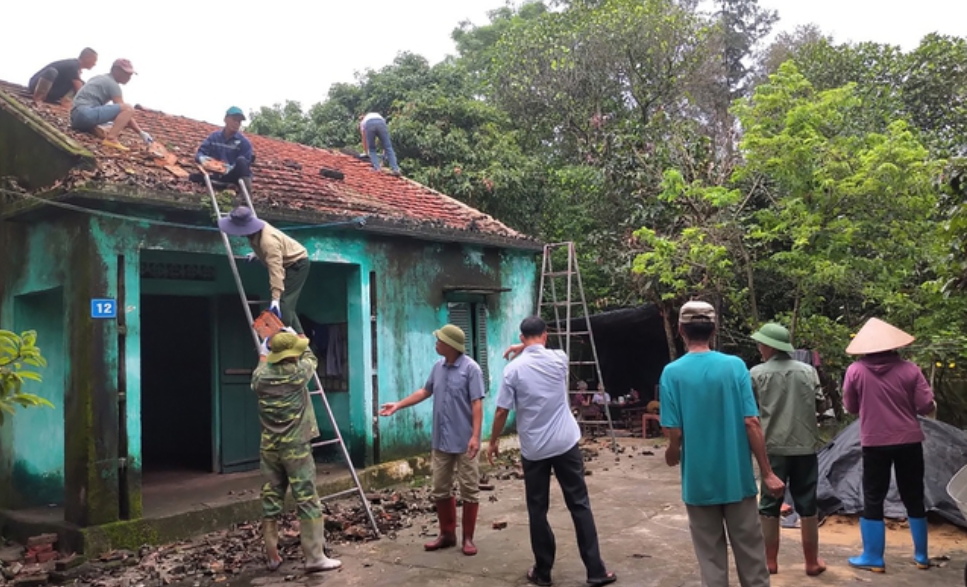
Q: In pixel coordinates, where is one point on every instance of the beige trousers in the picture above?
(467, 471)
(709, 525)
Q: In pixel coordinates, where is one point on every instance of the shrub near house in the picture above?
(17, 355)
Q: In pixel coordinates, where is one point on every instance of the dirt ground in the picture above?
(643, 533)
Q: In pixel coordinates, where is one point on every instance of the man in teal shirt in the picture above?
(709, 414)
(788, 392)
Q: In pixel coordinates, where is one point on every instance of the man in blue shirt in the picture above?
(231, 148)
(709, 413)
(535, 386)
(457, 387)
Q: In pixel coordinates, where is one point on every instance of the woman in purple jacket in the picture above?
(888, 393)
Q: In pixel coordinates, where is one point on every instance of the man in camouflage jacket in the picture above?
(288, 426)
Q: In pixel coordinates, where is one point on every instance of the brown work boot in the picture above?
(810, 546)
(446, 511)
(270, 533)
(469, 525)
(770, 535)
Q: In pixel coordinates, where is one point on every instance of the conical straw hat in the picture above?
(877, 336)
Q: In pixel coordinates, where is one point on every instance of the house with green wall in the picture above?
(160, 381)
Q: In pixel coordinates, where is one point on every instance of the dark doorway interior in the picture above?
(176, 383)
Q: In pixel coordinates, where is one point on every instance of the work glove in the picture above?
(251, 257)
(146, 137)
(264, 347)
(274, 308)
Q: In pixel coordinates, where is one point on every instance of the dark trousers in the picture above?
(377, 128)
(907, 461)
(295, 278)
(569, 470)
(240, 170)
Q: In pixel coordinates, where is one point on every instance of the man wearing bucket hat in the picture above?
(788, 391)
(231, 148)
(288, 427)
(457, 387)
(285, 258)
(888, 393)
(709, 414)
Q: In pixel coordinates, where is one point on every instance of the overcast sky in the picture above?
(197, 59)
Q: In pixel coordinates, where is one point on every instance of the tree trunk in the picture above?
(795, 315)
(750, 283)
(666, 317)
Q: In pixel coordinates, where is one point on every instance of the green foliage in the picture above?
(17, 355)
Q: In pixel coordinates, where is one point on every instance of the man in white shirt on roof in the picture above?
(372, 126)
(535, 386)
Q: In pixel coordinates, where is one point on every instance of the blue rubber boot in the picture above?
(918, 527)
(874, 542)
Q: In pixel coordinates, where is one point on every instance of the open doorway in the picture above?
(176, 384)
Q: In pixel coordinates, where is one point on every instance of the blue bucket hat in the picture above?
(240, 222)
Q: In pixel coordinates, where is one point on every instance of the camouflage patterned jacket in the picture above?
(285, 407)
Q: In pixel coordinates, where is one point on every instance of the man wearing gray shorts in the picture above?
(93, 107)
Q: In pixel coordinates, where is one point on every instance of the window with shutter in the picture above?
(471, 317)
(480, 342)
(461, 315)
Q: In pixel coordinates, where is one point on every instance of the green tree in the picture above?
(17, 355)
(850, 228)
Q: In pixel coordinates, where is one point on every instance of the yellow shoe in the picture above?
(114, 145)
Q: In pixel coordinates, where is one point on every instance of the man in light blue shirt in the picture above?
(535, 386)
(457, 387)
(710, 416)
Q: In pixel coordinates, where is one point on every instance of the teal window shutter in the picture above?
(460, 315)
(481, 342)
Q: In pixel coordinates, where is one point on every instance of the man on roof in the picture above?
(227, 154)
(57, 80)
(93, 105)
(286, 259)
(372, 126)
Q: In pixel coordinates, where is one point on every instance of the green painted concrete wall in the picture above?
(32, 441)
(82, 254)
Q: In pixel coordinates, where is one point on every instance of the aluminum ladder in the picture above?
(551, 279)
(319, 391)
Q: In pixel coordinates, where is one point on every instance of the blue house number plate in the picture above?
(104, 309)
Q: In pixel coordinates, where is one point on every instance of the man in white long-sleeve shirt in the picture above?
(535, 385)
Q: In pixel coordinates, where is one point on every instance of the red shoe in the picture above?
(469, 525)
(446, 511)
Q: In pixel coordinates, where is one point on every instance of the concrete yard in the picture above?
(644, 538)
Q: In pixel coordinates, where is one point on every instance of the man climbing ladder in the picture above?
(285, 258)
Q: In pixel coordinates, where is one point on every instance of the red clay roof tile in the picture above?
(286, 176)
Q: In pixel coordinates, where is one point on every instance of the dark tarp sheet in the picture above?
(841, 473)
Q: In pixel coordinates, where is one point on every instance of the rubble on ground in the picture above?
(215, 557)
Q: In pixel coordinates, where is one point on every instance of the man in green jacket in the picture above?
(788, 392)
(288, 426)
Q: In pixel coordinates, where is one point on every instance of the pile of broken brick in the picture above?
(217, 556)
(36, 563)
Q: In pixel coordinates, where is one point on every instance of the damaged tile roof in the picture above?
(286, 178)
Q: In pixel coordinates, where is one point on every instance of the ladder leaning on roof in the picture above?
(319, 391)
(550, 280)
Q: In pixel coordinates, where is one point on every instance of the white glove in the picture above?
(264, 347)
(274, 307)
(146, 137)
(290, 330)
(251, 257)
